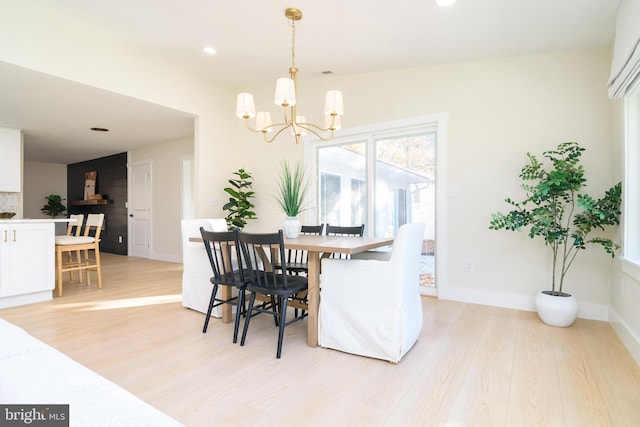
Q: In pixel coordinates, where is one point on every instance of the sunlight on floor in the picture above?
(123, 303)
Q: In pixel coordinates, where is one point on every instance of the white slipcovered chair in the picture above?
(372, 307)
(196, 287)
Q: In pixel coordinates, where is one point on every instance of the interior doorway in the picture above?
(139, 209)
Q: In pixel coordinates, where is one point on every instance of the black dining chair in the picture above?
(337, 230)
(263, 279)
(297, 261)
(223, 251)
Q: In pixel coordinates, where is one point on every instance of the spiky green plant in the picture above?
(239, 206)
(551, 206)
(292, 189)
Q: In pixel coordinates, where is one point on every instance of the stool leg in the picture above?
(79, 262)
(59, 265)
(87, 261)
(98, 268)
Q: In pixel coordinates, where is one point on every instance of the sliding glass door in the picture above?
(381, 179)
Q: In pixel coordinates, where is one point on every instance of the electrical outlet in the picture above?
(453, 192)
(119, 239)
(469, 265)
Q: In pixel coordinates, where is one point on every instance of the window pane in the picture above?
(632, 182)
(405, 190)
(343, 195)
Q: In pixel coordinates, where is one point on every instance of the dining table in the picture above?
(317, 247)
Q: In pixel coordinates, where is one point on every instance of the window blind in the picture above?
(625, 65)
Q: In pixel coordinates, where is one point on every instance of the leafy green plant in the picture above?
(292, 189)
(239, 206)
(555, 210)
(54, 206)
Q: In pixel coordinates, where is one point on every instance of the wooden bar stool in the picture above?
(74, 228)
(84, 243)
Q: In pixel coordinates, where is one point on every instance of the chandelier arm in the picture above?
(269, 140)
(309, 127)
(273, 125)
(246, 122)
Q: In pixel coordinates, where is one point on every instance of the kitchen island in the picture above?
(27, 260)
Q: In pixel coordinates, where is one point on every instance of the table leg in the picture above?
(226, 291)
(313, 296)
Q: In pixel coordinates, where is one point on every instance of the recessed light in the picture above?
(100, 129)
(208, 50)
(445, 3)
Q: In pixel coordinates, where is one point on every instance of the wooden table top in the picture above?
(337, 244)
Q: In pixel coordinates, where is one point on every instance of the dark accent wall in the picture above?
(111, 182)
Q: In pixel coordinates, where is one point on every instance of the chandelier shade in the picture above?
(333, 103)
(245, 106)
(285, 92)
(286, 97)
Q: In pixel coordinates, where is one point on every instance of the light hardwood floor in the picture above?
(473, 364)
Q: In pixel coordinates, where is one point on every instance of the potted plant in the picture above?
(239, 205)
(290, 196)
(54, 206)
(556, 210)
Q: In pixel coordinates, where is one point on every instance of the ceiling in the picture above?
(343, 37)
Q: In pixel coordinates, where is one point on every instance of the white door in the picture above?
(140, 210)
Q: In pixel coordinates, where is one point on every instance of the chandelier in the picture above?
(285, 97)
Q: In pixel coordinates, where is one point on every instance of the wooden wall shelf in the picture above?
(89, 202)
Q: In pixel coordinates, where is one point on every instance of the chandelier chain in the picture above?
(293, 43)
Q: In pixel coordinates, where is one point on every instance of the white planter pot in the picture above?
(560, 310)
(291, 227)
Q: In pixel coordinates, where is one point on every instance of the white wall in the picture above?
(41, 179)
(498, 110)
(166, 186)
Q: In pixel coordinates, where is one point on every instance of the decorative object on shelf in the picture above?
(239, 206)
(291, 194)
(90, 202)
(54, 206)
(556, 211)
(286, 97)
(7, 215)
(90, 184)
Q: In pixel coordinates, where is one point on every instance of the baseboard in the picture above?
(15, 300)
(158, 256)
(630, 340)
(515, 301)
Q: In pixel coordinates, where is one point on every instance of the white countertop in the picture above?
(27, 220)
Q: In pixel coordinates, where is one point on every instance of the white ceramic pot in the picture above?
(556, 310)
(291, 227)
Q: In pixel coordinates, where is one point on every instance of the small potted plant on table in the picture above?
(290, 196)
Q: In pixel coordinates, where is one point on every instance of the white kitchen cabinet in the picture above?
(10, 160)
(27, 262)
